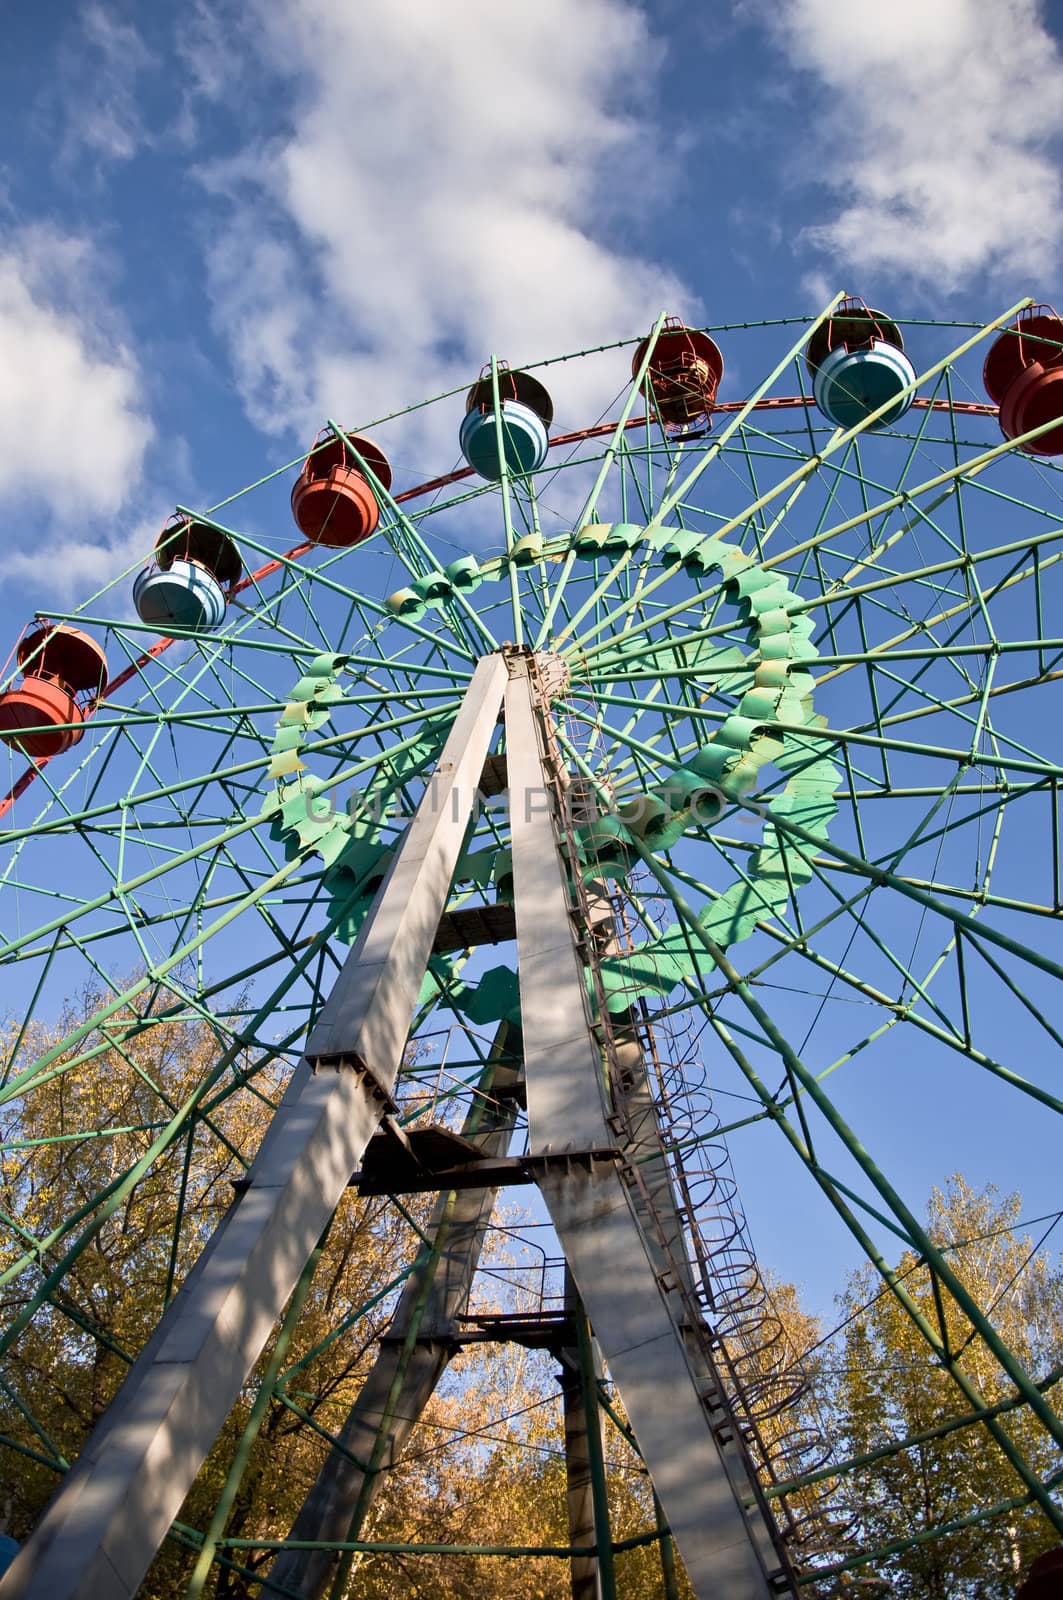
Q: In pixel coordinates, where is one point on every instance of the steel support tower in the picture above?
(592, 1148)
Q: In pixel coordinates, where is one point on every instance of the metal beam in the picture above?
(102, 1529)
(587, 1494)
(638, 1133)
(421, 1341)
(697, 1464)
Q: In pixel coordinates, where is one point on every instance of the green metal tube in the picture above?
(122, 1187)
(507, 510)
(460, 600)
(897, 1446)
(917, 1236)
(591, 502)
(883, 876)
(898, 1546)
(242, 1454)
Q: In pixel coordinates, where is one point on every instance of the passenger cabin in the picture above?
(516, 432)
(187, 583)
(1023, 375)
(683, 376)
(333, 501)
(857, 364)
(64, 673)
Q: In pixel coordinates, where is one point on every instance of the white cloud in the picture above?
(80, 564)
(939, 136)
(447, 188)
(209, 70)
(73, 429)
(100, 65)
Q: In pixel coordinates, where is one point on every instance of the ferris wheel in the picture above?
(675, 780)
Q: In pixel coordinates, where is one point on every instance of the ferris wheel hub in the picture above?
(553, 672)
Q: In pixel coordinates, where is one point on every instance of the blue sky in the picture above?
(220, 225)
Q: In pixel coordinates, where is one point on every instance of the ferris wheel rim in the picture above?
(767, 404)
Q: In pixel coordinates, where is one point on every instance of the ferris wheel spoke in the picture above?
(368, 606)
(909, 980)
(955, 480)
(166, 1101)
(899, 746)
(673, 499)
(876, 893)
(612, 453)
(258, 765)
(961, 610)
(918, 441)
(192, 685)
(291, 616)
(988, 490)
(469, 623)
(160, 969)
(293, 968)
(133, 1029)
(914, 1235)
(586, 642)
(957, 1040)
(246, 876)
(401, 667)
(90, 906)
(848, 905)
(146, 920)
(879, 874)
(634, 463)
(120, 1187)
(837, 594)
(981, 697)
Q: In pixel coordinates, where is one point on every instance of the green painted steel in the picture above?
(804, 682)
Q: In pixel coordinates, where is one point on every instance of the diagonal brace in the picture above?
(101, 1531)
(698, 1467)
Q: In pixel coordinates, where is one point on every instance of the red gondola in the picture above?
(64, 672)
(684, 374)
(1023, 375)
(333, 501)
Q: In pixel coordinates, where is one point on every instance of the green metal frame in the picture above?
(193, 857)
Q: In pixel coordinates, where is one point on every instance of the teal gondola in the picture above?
(857, 364)
(526, 414)
(186, 586)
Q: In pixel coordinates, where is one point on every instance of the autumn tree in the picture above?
(69, 1142)
(888, 1388)
(486, 1465)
